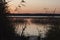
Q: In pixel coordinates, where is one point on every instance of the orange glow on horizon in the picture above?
(34, 6)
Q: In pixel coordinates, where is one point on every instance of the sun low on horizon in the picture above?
(34, 6)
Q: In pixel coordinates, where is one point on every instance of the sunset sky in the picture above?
(34, 6)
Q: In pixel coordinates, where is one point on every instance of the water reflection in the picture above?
(31, 27)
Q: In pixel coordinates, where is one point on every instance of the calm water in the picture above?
(32, 27)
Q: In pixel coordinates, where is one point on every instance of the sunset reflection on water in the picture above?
(33, 26)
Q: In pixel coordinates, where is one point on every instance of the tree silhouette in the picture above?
(17, 7)
(6, 28)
